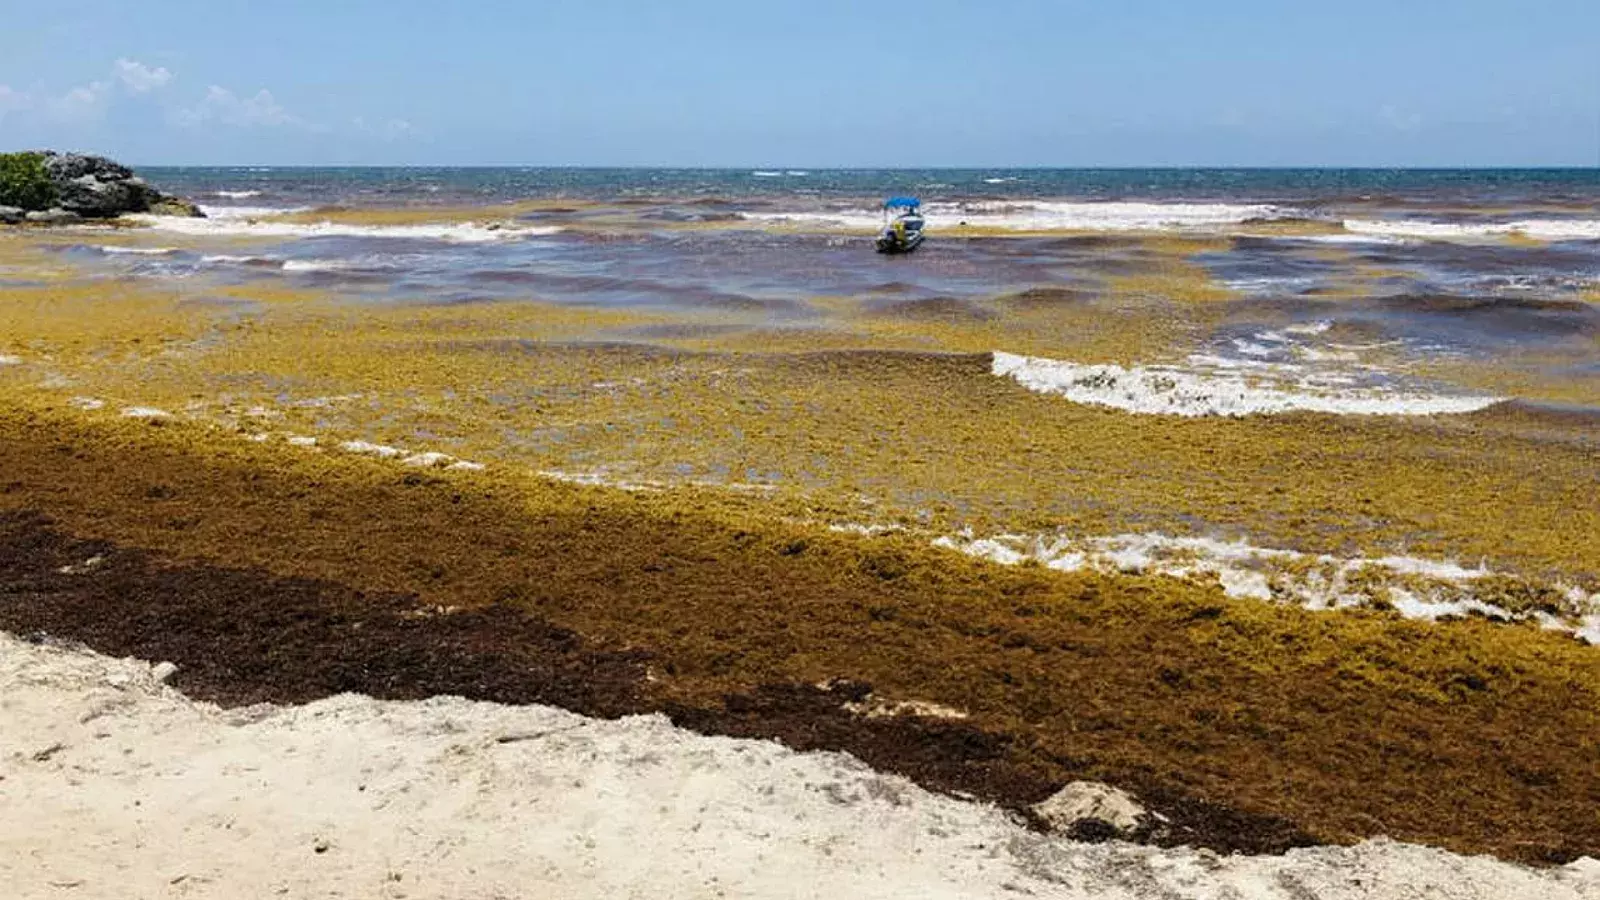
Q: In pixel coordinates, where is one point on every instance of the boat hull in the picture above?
(887, 244)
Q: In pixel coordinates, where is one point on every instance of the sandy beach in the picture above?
(131, 789)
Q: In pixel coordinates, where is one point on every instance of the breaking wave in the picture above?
(138, 251)
(219, 213)
(1537, 229)
(320, 265)
(1049, 216)
(1171, 390)
(268, 223)
(232, 259)
(1416, 588)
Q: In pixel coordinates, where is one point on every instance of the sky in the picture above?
(814, 84)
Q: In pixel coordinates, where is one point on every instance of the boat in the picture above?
(902, 225)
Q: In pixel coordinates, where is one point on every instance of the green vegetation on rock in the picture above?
(24, 182)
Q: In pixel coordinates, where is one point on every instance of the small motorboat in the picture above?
(902, 225)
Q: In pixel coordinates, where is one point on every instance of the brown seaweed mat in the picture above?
(273, 575)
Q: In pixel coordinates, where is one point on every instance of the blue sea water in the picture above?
(1423, 265)
(380, 186)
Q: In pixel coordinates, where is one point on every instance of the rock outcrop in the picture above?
(94, 187)
(53, 216)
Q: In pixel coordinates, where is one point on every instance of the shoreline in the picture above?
(1062, 676)
(1283, 535)
(449, 798)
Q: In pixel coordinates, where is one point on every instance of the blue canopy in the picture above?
(908, 202)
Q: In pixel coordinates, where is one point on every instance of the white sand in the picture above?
(114, 786)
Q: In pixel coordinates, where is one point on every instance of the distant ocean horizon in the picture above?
(377, 185)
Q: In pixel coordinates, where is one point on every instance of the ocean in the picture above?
(1435, 268)
(378, 186)
(1267, 495)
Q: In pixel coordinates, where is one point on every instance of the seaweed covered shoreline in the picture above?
(1284, 527)
(1256, 727)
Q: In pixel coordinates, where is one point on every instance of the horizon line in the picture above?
(1570, 167)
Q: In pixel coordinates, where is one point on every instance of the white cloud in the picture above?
(13, 100)
(86, 102)
(81, 104)
(392, 130)
(219, 107)
(140, 78)
(1400, 120)
(227, 108)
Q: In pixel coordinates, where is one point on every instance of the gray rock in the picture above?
(164, 205)
(63, 167)
(11, 215)
(98, 188)
(57, 216)
(1090, 810)
(91, 197)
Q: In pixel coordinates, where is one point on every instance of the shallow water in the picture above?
(1428, 267)
(707, 326)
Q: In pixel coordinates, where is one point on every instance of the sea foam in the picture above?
(1044, 215)
(137, 251)
(1426, 589)
(320, 265)
(1177, 391)
(1537, 229)
(268, 223)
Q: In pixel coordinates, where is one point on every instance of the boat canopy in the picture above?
(907, 202)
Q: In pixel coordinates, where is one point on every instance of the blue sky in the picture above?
(821, 83)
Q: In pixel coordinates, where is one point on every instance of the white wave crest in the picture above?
(428, 459)
(237, 195)
(138, 251)
(1169, 390)
(1538, 229)
(1416, 588)
(1045, 215)
(269, 224)
(320, 265)
(1348, 238)
(226, 213)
